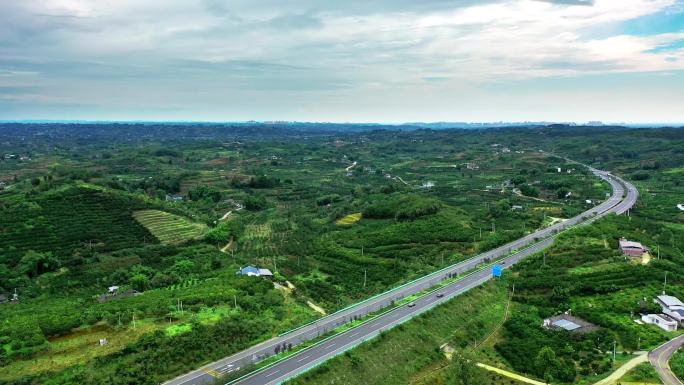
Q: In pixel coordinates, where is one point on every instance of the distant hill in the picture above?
(138, 131)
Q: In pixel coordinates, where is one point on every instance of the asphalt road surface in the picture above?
(660, 357)
(617, 203)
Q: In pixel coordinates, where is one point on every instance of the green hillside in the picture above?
(70, 219)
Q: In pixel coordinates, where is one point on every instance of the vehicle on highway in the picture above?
(411, 304)
(440, 295)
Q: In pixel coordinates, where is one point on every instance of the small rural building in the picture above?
(516, 207)
(174, 198)
(117, 294)
(569, 323)
(113, 289)
(472, 166)
(680, 206)
(671, 306)
(252, 271)
(632, 248)
(663, 321)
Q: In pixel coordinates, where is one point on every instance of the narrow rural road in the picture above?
(624, 196)
(660, 358)
(622, 370)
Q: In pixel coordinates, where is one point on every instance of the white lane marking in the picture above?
(274, 372)
(353, 334)
(331, 345)
(303, 358)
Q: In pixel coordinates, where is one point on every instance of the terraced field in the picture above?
(169, 228)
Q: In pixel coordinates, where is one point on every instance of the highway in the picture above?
(619, 202)
(660, 357)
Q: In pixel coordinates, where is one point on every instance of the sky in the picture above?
(386, 61)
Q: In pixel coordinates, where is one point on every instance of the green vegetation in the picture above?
(411, 352)
(677, 364)
(643, 373)
(171, 220)
(349, 219)
(169, 228)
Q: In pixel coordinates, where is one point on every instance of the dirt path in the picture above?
(350, 167)
(622, 370)
(316, 307)
(228, 246)
(512, 375)
(226, 215)
(520, 194)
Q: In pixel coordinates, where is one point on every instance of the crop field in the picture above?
(170, 228)
(349, 219)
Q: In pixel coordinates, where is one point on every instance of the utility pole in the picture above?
(614, 346)
(442, 258)
(544, 254)
(235, 300)
(365, 273)
(275, 266)
(480, 228)
(665, 283)
(659, 251)
(133, 321)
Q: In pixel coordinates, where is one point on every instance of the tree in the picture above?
(140, 282)
(546, 363)
(529, 191)
(255, 203)
(562, 192)
(464, 371)
(34, 263)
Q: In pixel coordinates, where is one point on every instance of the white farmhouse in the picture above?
(663, 321)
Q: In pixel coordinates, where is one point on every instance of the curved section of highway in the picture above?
(623, 197)
(660, 358)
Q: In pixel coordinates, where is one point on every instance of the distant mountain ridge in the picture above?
(190, 130)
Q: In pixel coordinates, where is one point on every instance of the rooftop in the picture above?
(670, 301)
(567, 325)
(630, 244)
(570, 323)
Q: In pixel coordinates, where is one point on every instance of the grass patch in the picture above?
(349, 219)
(77, 347)
(677, 364)
(169, 228)
(643, 373)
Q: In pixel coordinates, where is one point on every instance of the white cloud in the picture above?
(404, 47)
